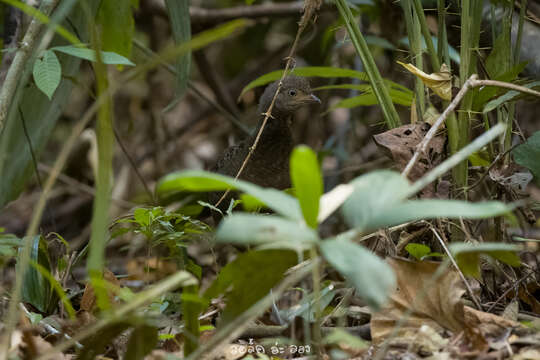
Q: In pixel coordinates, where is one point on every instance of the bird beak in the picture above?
(313, 98)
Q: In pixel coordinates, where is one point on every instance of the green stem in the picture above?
(435, 63)
(377, 83)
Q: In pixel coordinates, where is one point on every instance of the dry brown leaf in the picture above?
(400, 144)
(491, 326)
(440, 82)
(88, 301)
(440, 308)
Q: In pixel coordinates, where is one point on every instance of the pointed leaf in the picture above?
(88, 54)
(276, 200)
(47, 73)
(269, 230)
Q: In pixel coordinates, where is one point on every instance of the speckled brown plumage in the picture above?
(269, 164)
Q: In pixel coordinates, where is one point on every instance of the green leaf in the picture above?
(468, 255)
(397, 94)
(374, 194)
(36, 288)
(418, 251)
(270, 230)
(372, 277)
(47, 73)
(433, 209)
(528, 155)
(307, 181)
(107, 57)
(142, 341)
(379, 201)
(178, 11)
(195, 181)
(117, 26)
(511, 95)
(308, 71)
(249, 278)
(390, 115)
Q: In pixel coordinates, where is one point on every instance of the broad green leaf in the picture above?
(511, 95)
(468, 255)
(432, 209)
(307, 181)
(47, 73)
(269, 230)
(372, 277)
(36, 288)
(379, 201)
(198, 181)
(142, 341)
(117, 26)
(249, 278)
(374, 194)
(178, 11)
(107, 57)
(528, 155)
(418, 251)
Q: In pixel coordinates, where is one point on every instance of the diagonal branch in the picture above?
(471, 82)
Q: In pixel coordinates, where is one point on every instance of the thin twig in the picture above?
(469, 290)
(472, 82)
(422, 146)
(228, 115)
(268, 113)
(456, 158)
(134, 166)
(513, 287)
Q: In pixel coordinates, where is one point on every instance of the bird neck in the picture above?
(276, 128)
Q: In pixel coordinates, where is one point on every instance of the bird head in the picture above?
(295, 92)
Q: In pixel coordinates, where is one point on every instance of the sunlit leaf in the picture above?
(307, 181)
(440, 82)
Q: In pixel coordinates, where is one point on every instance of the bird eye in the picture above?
(292, 92)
